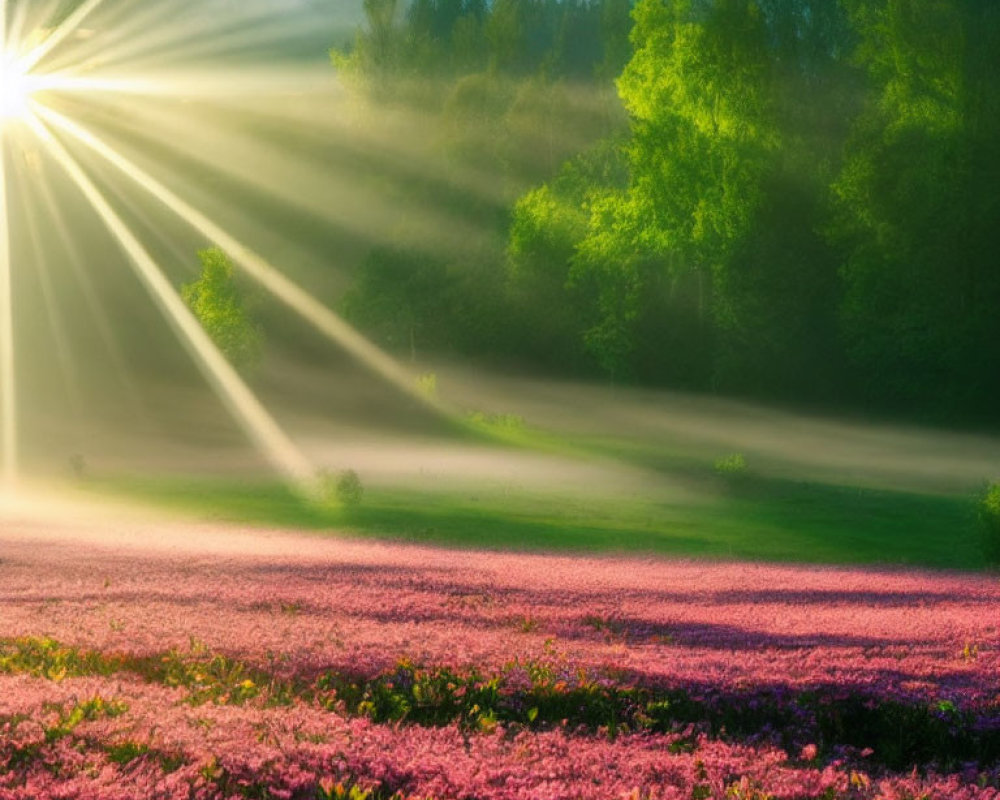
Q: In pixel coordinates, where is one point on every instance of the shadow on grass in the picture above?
(855, 525)
(751, 518)
(458, 521)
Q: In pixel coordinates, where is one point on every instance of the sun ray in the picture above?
(64, 355)
(8, 389)
(14, 30)
(166, 35)
(186, 85)
(222, 144)
(66, 28)
(168, 78)
(241, 402)
(122, 24)
(252, 33)
(294, 296)
(98, 313)
(67, 82)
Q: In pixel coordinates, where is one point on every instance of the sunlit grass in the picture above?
(684, 505)
(754, 519)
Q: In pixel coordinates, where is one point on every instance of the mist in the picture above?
(426, 212)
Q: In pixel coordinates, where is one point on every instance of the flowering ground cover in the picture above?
(174, 661)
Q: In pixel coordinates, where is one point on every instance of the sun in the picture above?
(16, 87)
(45, 55)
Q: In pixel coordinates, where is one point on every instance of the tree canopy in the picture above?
(786, 198)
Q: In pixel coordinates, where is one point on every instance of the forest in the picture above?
(790, 200)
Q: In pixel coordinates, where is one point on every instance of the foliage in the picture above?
(915, 215)
(547, 693)
(553, 299)
(412, 302)
(799, 204)
(435, 37)
(699, 86)
(499, 422)
(504, 94)
(732, 465)
(350, 492)
(988, 510)
(220, 305)
(658, 244)
(427, 385)
(401, 297)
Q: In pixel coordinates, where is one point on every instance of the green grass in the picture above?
(742, 517)
(745, 510)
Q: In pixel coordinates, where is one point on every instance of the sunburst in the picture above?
(34, 68)
(15, 89)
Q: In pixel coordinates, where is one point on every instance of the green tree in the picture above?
(468, 43)
(505, 32)
(780, 337)
(378, 49)
(917, 207)
(699, 94)
(616, 29)
(402, 299)
(546, 227)
(220, 305)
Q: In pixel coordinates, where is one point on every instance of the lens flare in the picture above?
(16, 88)
(47, 56)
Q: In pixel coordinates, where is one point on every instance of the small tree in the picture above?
(350, 492)
(220, 305)
(989, 522)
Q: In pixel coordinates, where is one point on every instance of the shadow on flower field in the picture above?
(174, 660)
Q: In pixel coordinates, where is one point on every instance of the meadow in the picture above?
(578, 468)
(572, 602)
(753, 518)
(169, 660)
(264, 267)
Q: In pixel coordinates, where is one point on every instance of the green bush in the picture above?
(220, 304)
(501, 422)
(732, 465)
(427, 385)
(350, 492)
(989, 522)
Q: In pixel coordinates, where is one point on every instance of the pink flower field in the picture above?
(170, 661)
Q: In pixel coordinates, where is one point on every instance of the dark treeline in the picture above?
(485, 101)
(791, 199)
(580, 39)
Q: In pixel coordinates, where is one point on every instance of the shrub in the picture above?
(501, 422)
(989, 522)
(427, 385)
(732, 465)
(78, 466)
(350, 492)
(219, 303)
